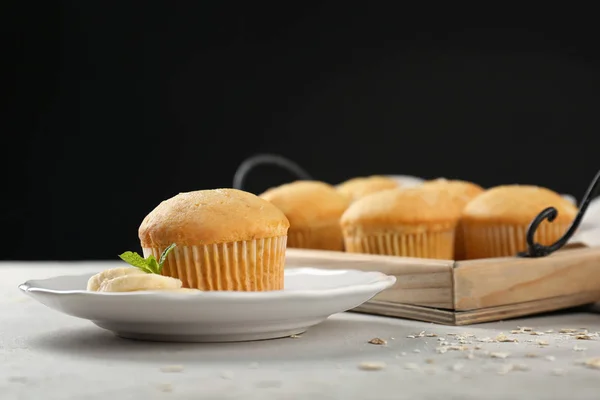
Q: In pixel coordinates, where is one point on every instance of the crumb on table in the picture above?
(371, 366)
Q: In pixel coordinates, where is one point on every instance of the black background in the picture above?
(112, 108)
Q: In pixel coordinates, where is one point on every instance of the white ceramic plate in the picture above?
(310, 296)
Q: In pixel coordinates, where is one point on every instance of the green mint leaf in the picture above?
(164, 255)
(153, 265)
(148, 265)
(135, 260)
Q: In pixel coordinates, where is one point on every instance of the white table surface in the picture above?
(48, 355)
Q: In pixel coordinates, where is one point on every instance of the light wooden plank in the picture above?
(430, 297)
(408, 311)
(507, 281)
(462, 318)
(524, 309)
(419, 281)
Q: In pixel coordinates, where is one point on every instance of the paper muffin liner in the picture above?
(250, 266)
(460, 251)
(319, 238)
(437, 244)
(487, 241)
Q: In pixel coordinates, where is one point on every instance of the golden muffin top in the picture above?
(211, 216)
(403, 206)
(356, 188)
(307, 203)
(517, 204)
(462, 192)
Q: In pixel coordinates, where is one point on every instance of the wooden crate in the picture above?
(468, 292)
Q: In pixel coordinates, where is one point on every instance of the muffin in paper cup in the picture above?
(495, 223)
(317, 237)
(461, 192)
(425, 244)
(411, 222)
(313, 209)
(226, 239)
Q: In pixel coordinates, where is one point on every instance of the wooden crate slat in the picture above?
(502, 281)
(409, 311)
(525, 309)
(461, 318)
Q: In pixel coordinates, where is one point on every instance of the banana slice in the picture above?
(184, 290)
(136, 282)
(96, 281)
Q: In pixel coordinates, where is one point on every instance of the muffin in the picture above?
(314, 210)
(411, 222)
(495, 223)
(357, 188)
(461, 192)
(227, 239)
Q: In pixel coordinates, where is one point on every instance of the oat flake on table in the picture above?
(371, 366)
(593, 363)
(172, 368)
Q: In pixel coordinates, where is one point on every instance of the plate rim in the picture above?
(382, 282)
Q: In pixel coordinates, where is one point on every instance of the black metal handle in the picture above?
(267, 159)
(550, 213)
